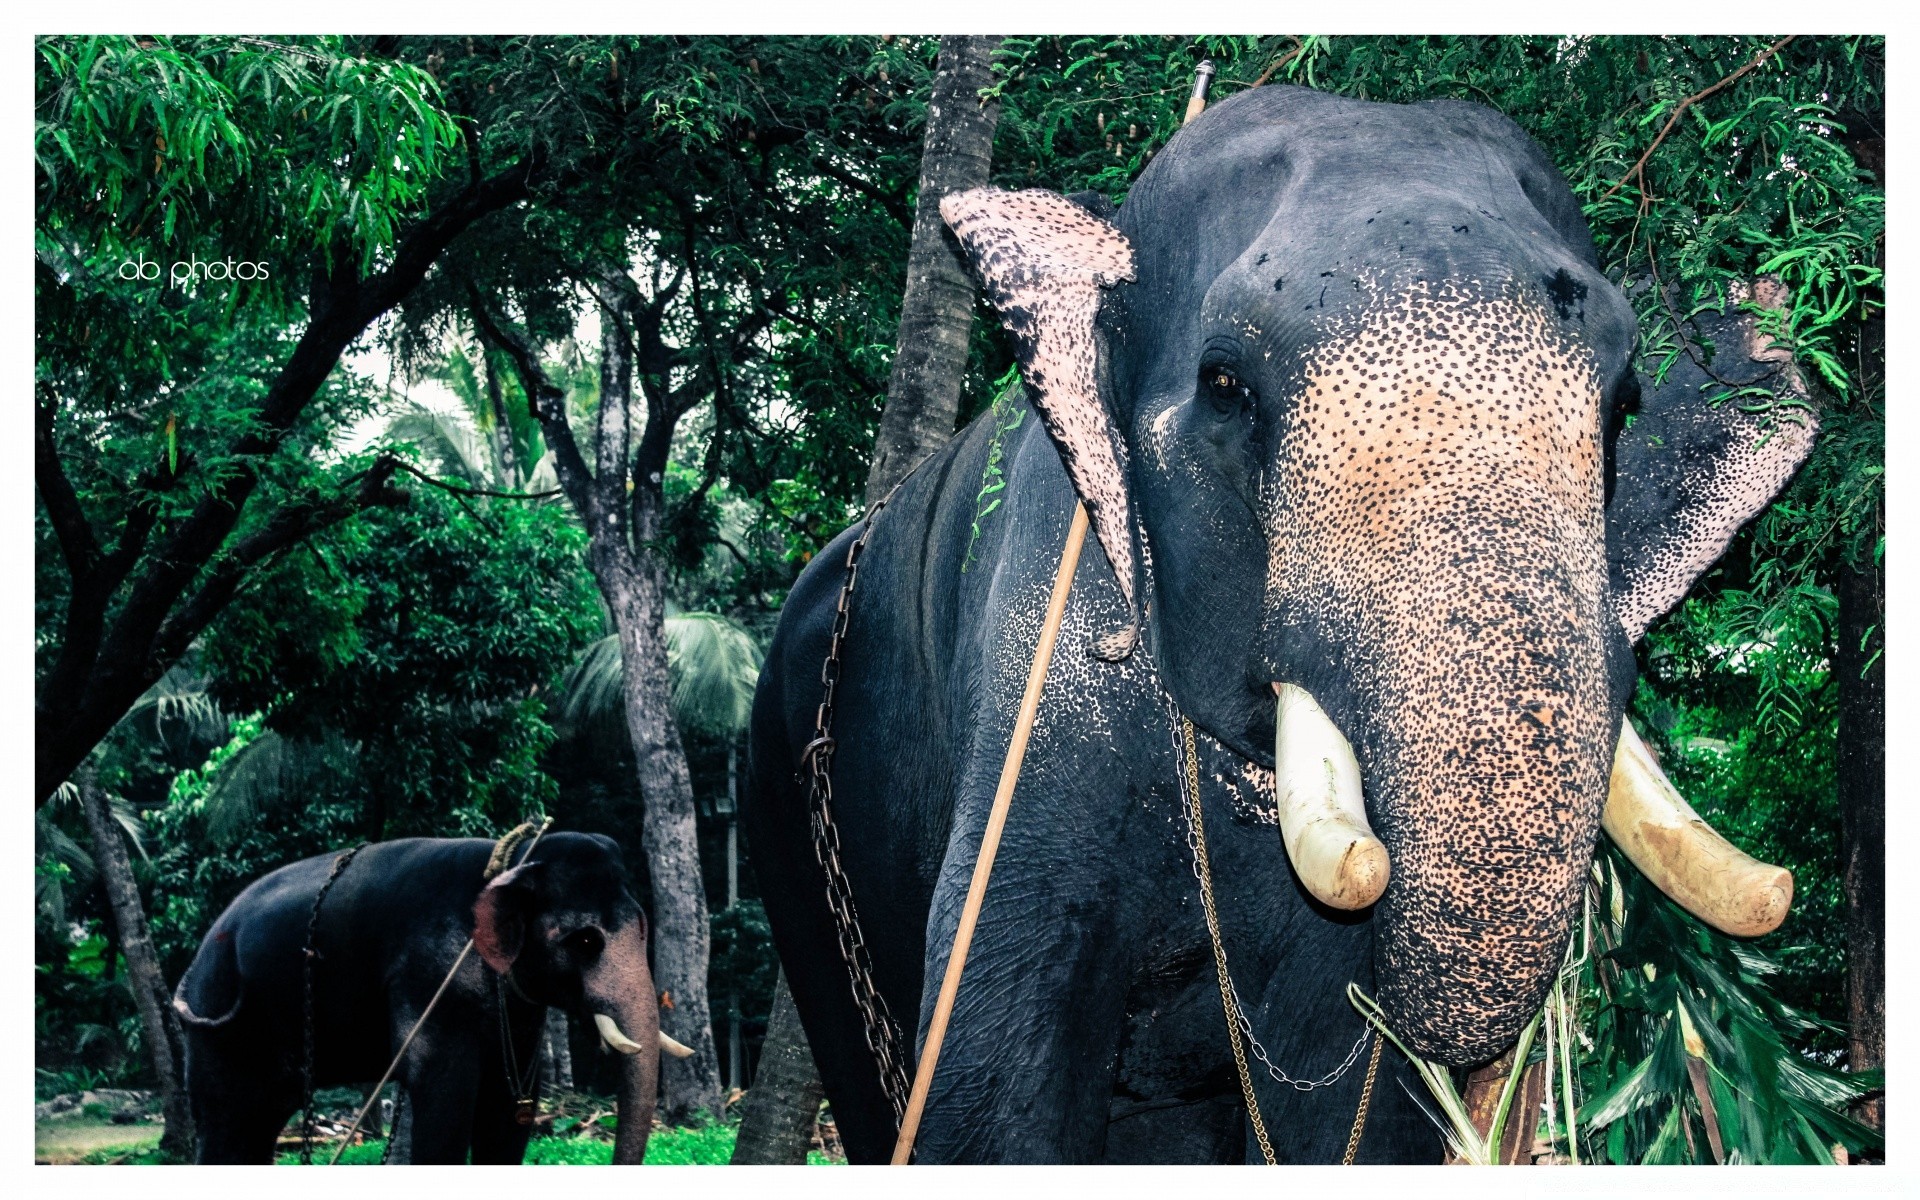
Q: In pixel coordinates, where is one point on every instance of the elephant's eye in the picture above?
(585, 944)
(1224, 390)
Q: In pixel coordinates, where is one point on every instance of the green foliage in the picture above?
(230, 147)
(1653, 977)
(691, 1145)
(1009, 413)
(712, 667)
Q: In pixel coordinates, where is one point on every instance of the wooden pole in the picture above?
(990, 841)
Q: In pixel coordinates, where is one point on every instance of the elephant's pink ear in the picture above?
(500, 918)
(1043, 261)
(1711, 446)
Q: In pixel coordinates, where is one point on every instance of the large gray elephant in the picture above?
(1347, 398)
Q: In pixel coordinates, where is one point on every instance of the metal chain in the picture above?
(1239, 1027)
(1366, 1101)
(309, 957)
(884, 1038)
(521, 1087)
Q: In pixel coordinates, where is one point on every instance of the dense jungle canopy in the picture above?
(311, 567)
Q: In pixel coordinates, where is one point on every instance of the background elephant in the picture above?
(1347, 398)
(560, 928)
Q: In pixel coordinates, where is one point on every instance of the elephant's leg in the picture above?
(1308, 1026)
(234, 1129)
(1026, 1070)
(237, 1111)
(443, 1079)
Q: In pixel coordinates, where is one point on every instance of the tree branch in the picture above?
(1686, 104)
(70, 526)
(341, 309)
(896, 206)
(546, 401)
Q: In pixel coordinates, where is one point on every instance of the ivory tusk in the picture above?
(611, 1035)
(677, 1049)
(1323, 820)
(1703, 872)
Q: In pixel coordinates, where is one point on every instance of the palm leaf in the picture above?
(712, 667)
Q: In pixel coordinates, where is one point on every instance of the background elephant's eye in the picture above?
(585, 943)
(1224, 390)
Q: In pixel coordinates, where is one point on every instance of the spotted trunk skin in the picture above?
(1436, 513)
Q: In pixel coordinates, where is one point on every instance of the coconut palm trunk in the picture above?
(777, 1119)
(151, 994)
(1860, 673)
(936, 311)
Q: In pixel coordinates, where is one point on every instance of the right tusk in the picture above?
(677, 1049)
(611, 1035)
(1323, 819)
(1701, 871)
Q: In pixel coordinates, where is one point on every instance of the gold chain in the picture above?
(1219, 948)
(1366, 1098)
(1226, 981)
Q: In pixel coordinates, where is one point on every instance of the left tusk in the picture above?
(1703, 872)
(677, 1049)
(611, 1035)
(1323, 819)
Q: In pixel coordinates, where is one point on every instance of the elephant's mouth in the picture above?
(1342, 863)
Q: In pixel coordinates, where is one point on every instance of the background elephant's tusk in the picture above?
(1704, 873)
(611, 1035)
(1323, 820)
(677, 1049)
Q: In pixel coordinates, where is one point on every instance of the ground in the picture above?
(86, 1139)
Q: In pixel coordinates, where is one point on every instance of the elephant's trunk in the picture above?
(619, 992)
(1488, 764)
(1437, 581)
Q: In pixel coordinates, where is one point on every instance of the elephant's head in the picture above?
(1344, 392)
(566, 930)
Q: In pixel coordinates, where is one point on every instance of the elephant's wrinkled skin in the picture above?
(1368, 387)
(562, 920)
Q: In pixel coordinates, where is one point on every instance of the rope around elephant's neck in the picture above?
(1239, 1030)
(507, 843)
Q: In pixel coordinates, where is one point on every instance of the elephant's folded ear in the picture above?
(500, 917)
(1711, 447)
(1043, 261)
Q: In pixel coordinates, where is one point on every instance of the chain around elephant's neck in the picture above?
(1239, 1027)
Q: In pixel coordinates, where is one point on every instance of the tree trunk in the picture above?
(923, 405)
(622, 528)
(1860, 673)
(936, 312)
(151, 995)
(776, 1126)
(682, 939)
(559, 1050)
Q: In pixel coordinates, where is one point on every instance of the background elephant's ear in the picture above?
(1711, 447)
(1043, 260)
(500, 917)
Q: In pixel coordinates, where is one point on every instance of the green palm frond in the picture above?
(264, 774)
(60, 863)
(712, 667)
(177, 713)
(1663, 988)
(450, 443)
